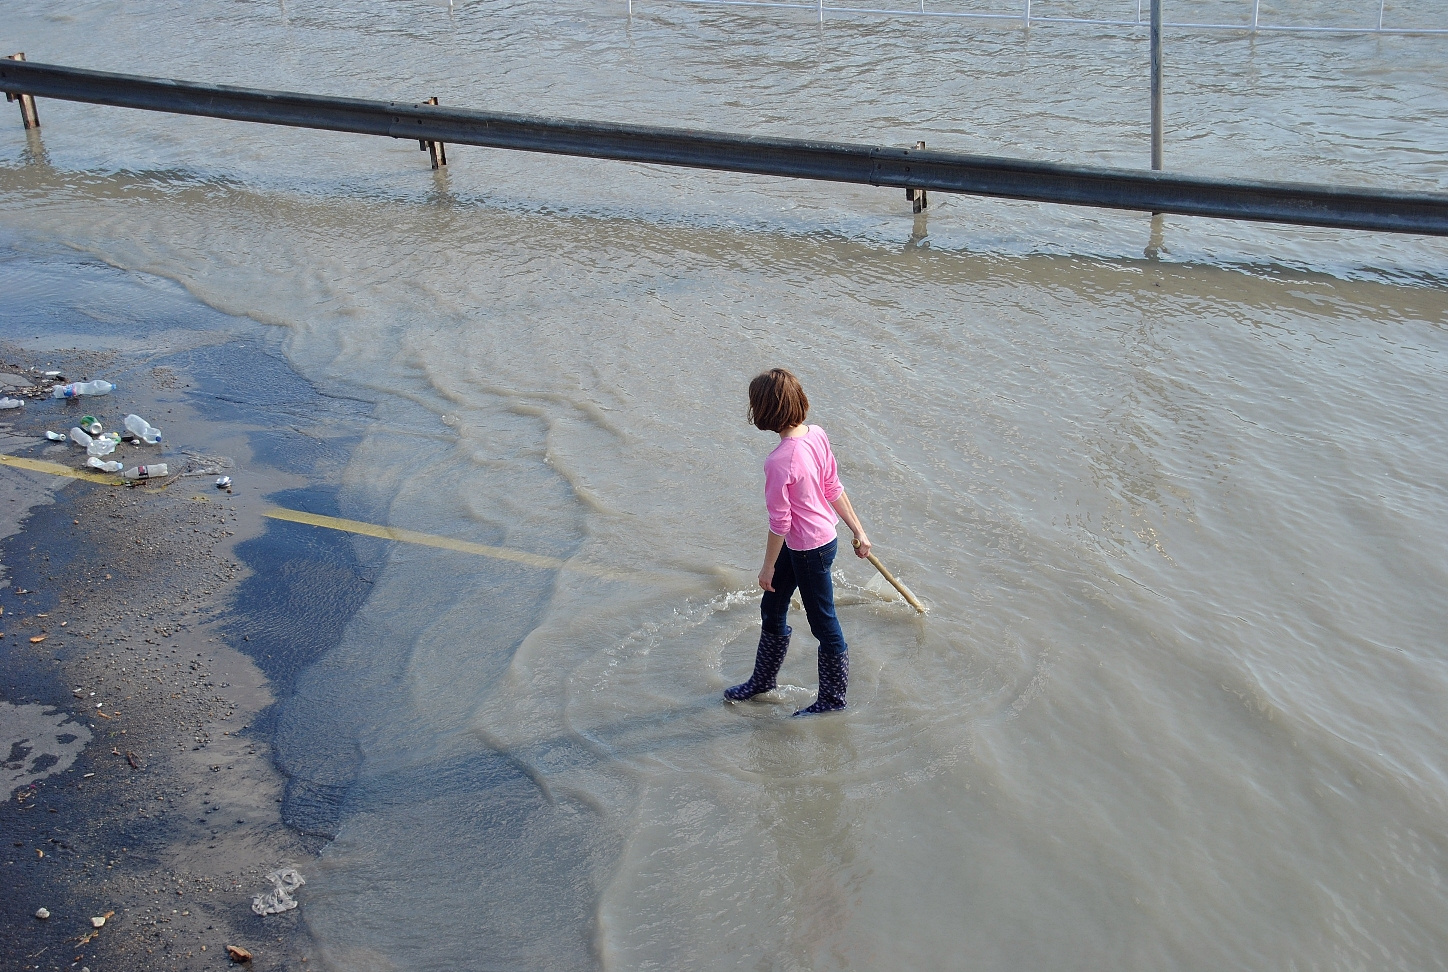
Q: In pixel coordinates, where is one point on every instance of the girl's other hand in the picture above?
(862, 546)
(766, 578)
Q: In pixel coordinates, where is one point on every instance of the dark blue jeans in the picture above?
(808, 570)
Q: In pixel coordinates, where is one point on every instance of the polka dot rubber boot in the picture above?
(767, 659)
(834, 678)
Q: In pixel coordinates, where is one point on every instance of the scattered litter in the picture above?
(38, 639)
(224, 482)
(52, 374)
(131, 758)
(237, 954)
(11, 403)
(284, 881)
(42, 913)
(104, 444)
(199, 464)
(95, 462)
(154, 471)
(142, 429)
(78, 388)
(55, 436)
(100, 921)
(91, 425)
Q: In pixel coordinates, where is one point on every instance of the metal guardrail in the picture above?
(1308, 205)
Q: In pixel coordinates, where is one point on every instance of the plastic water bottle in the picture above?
(11, 402)
(142, 429)
(55, 436)
(111, 467)
(146, 472)
(76, 388)
(80, 438)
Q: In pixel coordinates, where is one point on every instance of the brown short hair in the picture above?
(777, 401)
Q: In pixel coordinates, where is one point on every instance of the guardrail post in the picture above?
(436, 151)
(917, 197)
(28, 114)
(1156, 121)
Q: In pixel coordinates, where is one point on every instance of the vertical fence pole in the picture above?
(1028, 14)
(28, 114)
(1156, 135)
(1255, 5)
(436, 151)
(822, 11)
(918, 200)
(1381, 4)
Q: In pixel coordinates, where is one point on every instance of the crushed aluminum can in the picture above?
(224, 482)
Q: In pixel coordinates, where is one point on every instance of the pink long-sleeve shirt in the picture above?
(800, 483)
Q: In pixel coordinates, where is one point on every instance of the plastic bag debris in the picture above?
(103, 444)
(11, 403)
(284, 881)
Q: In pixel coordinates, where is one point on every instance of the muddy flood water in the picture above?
(1175, 499)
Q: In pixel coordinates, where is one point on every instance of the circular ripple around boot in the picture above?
(657, 697)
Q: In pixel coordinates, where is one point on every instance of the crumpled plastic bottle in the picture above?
(142, 429)
(153, 471)
(78, 388)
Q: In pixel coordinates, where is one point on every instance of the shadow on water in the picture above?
(305, 585)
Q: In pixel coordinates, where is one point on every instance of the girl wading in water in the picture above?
(803, 494)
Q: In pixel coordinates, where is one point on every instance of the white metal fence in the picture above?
(1026, 18)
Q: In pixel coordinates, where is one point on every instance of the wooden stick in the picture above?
(904, 591)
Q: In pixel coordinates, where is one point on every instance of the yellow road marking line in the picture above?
(413, 536)
(337, 523)
(56, 469)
